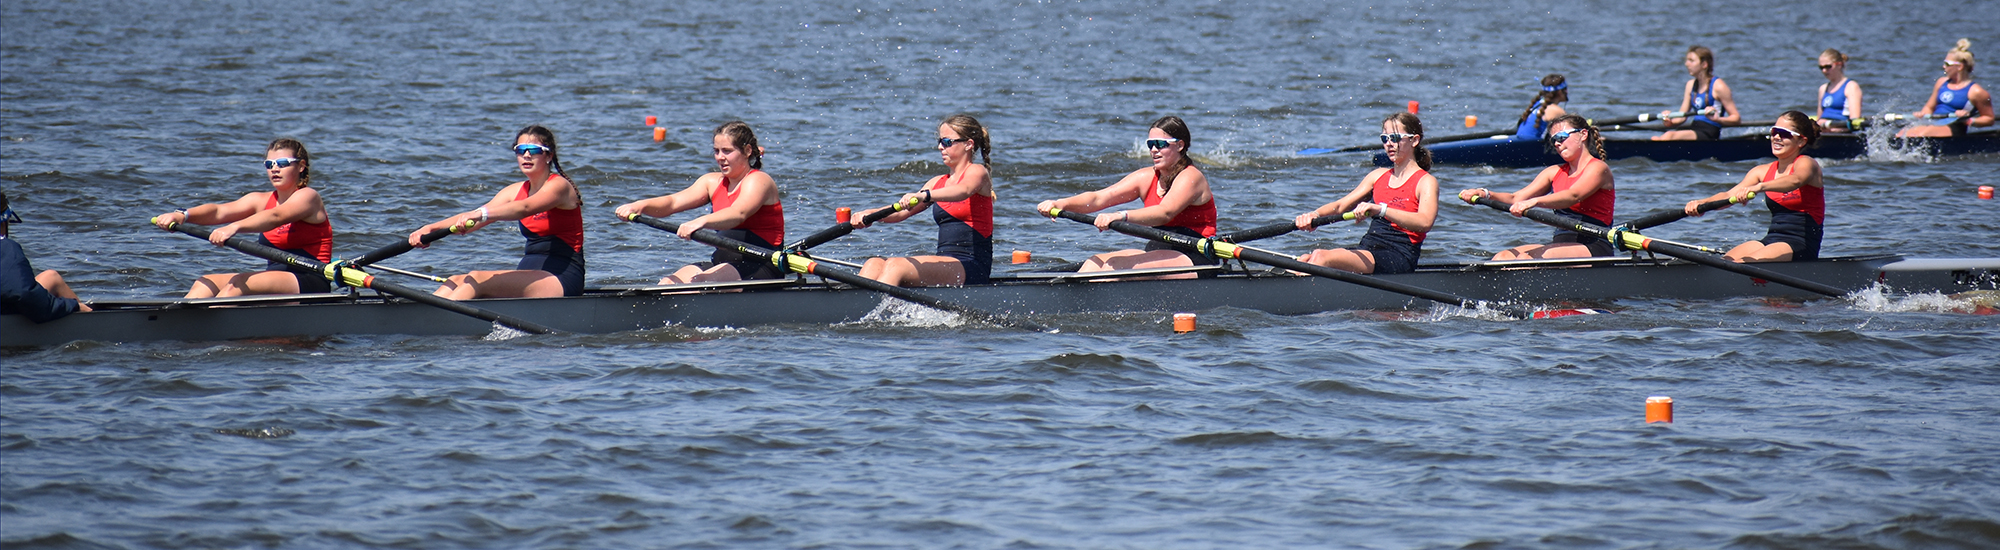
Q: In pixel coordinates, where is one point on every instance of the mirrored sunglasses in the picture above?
(1562, 136)
(1158, 144)
(1780, 132)
(280, 163)
(531, 149)
(946, 142)
(1396, 137)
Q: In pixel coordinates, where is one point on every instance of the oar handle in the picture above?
(359, 279)
(1216, 249)
(1664, 217)
(839, 230)
(1634, 241)
(1276, 229)
(402, 246)
(799, 263)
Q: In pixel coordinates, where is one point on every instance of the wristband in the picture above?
(927, 196)
(483, 214)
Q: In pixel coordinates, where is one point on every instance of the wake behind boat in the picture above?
(1512, 152)
(813, 302)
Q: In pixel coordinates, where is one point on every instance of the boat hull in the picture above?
(1509, 152)
(1530, 282)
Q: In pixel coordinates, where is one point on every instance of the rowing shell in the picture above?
(811, 302)
(1509, 152)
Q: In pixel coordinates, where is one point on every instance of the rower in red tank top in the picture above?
(548, 206)
(1175, 195)
(283, 218)
(314, 240)
(743, 204)
(964, 215)
(1580, 188)
(1402, 199)
(1794, 190)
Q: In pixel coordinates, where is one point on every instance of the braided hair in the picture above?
(969, 128)
(1594, 141)
(745, 140)
(1554, 90)
(548, 139)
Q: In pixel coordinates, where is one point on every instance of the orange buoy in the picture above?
(1183, 322)
(1022, 257)
(652, 120)
(842, 214)
(659, 134)
(1659, 408)
(1985, 192)
(1471, 121)
(1413, 106)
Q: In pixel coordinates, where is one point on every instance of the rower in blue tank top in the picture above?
(1706, 94)
(1956, 99)
(1534, 122)
(1839, 97)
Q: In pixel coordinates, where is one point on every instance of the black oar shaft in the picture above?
(1670, 216)
(839, 230)
(1231, 250)
(1636, 241)
(1276, 229)
(363, 280)
(802, 264)
(402, 246)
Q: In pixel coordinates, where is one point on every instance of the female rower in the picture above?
(1793, 189)
(1580, 187)
(1839, 97)
(743, 205)
(291, 217)
(550, 209)
(1548, 106)
(1175, 197)
(1401, 198)
(1955, 96)
(1704, 94)
(964, 215)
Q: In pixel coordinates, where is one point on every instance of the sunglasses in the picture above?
(1562, 136)
(946, 142)
(8, 216)
(1158, 144)
(1397, 137)
(280, 163)
(1780, 132)
(1823, 68)
(1950, 64)
(530, 149)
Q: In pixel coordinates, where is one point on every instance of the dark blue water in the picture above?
(1855, 423)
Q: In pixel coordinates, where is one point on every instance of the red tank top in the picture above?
(768, 222)
(1199, 217)
(1598, 205)
(555, 222)
(1807, 198)
(1404, 199)
(316, 238)
(976, 210)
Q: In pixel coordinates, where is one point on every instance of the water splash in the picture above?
(1881, 148)
(898, 312)
(503, 333)
(1880, 298)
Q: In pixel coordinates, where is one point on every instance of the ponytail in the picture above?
(1412, 125)
(745, 140)
(299, 152)
(969, 128)
(1554, 90)
(1594, 141)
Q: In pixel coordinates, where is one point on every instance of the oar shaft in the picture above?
(1276, 229)
(1636, 241)
(1664, 217)
(798, 263)
(402, 246)
(363, 280)
(842, 229)
(1231, 250)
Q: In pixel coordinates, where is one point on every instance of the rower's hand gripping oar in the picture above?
(357, 278)
(1664, 217)
(798, 263)
(1276, 229)
(1635, 241)
(843, 228)
(1219, 249)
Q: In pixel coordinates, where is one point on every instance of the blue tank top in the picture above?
(1950, 101)
(1532, 127)
(1833, 103)
(1704, 100)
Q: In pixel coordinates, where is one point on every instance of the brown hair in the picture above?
(1177, 129)
(1803, 124)
(548, 138)
(745, 140)
(1706, 56)
(969, 128)
(1555, 89)
(298, 152)
(1413, 126)
(1962, 54)
(1835, 54)
(1594, 141)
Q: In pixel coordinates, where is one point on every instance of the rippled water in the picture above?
(1828, 423)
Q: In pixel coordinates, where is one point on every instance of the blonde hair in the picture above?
(1962, 54)
(1835, 55)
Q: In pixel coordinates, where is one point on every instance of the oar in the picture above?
(402, 246)
(1219, 249)
(1859, 123)
(1664, 217)
(358, 279)
(1277, 229)
(1635, 241)
(431, 278)
(843, 228)
(1483, 135)
(797, 263)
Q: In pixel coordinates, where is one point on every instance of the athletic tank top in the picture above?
(1807, 199)
(1532, 127)
(975, 211)
(1404, 199)
(1598, 206)
(1833, 103)
(1199, 218)
(768, 222)
(1950, 101)
(1704, 100)
(547, 227)
(314, 238)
